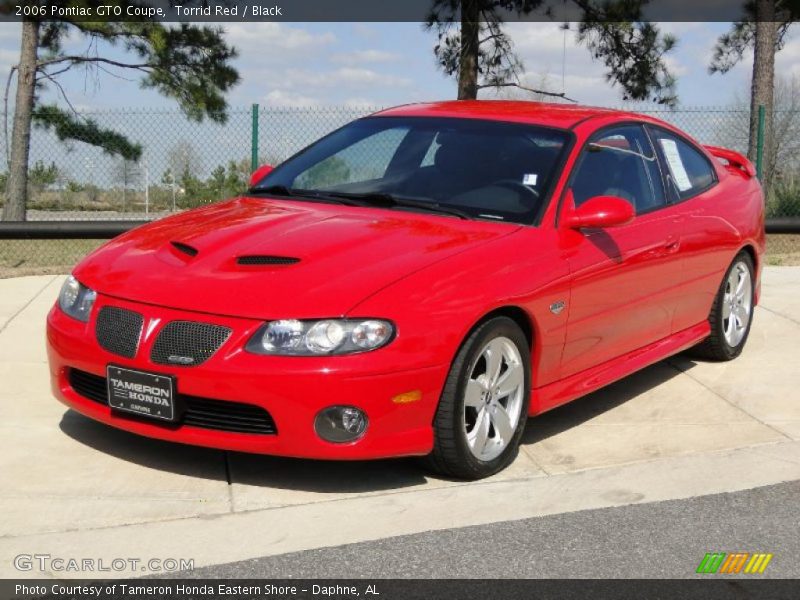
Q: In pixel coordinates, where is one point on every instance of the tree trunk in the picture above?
(17, 190)
(762, 88)
(468, 60)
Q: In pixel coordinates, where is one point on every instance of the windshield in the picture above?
(483, 169)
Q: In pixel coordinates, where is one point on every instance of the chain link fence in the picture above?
(184, 164)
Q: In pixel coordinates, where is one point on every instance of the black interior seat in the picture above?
(596, 176)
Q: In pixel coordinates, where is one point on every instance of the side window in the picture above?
(620, 162)
(688, 171)
(365, 160)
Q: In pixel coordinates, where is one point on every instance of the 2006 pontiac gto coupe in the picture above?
(418, 282)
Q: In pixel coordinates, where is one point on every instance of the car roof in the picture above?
(537, 113)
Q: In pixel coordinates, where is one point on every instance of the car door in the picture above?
(622, 277)
(706, 236)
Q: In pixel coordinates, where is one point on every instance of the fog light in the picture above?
(340, 424)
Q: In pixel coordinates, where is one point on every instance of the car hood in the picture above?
(316, 260)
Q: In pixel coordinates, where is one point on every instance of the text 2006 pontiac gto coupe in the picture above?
(418, 282)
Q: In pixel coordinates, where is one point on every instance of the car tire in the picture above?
(728, 337)
(463, 417)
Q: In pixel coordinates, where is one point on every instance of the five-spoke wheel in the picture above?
(737, 303)
(731, 313)
(484, 405)
(493, 398)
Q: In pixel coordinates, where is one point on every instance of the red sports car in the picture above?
(417, 282)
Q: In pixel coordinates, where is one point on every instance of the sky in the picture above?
(361, 66)
(383, 64)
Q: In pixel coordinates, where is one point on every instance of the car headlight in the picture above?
(76, 300)
(320, 337)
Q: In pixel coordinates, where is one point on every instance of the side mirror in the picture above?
(259, 174)
(600, 212)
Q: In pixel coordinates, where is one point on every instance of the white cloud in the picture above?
(263, 38)
(365, 31)
(676, 67)
(361, 102)
(351, 77)
(284, 98)
(358, 57)
(542, 38)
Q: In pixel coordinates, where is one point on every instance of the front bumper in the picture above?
(291, 389)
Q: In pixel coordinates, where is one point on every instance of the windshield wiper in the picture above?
(386, 200)
(282, 190)
(377, 199)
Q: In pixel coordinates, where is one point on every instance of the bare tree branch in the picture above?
(110, 72)
(61, 89)
(146, 67)
(494, 36)
(528, 89)
(60, 71)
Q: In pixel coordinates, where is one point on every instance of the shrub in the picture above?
(784, 199)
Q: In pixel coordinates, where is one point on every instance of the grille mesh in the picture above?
(204, 413)
(262, 259)
(89, 386)
(188, 343)
(117, 330)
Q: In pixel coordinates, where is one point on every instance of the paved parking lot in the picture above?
(73, 488)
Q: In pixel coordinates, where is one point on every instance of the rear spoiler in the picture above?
(734, 159)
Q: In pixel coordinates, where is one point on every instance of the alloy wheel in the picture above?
(737, 304)
(493, 398)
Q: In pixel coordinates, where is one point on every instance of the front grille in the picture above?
(118, 330)
(89, 386)
(227, 416)
(185, 343)
(203, 413)
(263, 259)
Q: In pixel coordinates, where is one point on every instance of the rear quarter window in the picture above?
(688, 170)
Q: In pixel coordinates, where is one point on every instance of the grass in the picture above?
(42, 257)
(46, 257)
(783, 250)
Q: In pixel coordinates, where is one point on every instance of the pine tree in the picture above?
(473, 46)
(763, 29)
(188, 63)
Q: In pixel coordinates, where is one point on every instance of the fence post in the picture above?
(254, 139)
(760, 141)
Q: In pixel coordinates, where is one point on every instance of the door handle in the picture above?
(672, 244)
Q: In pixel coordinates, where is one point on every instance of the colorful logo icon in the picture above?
(735, 562)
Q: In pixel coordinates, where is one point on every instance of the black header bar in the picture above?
(355, 10)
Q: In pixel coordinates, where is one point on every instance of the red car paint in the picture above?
(633, 294)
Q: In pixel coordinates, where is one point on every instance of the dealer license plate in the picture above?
(145, 394)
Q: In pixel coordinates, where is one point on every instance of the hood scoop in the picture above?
(185, 248)
(266, 259)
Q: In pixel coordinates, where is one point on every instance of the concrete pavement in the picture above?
(679, 429)
(653, 540)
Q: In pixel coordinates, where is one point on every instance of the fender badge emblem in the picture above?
(557, 307)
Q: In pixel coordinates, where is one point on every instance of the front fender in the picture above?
(435, 308)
